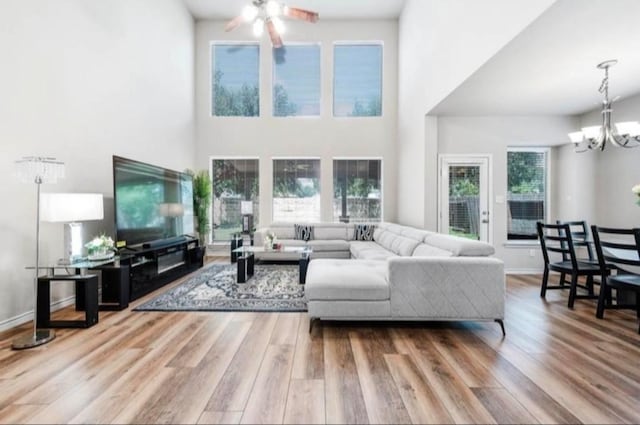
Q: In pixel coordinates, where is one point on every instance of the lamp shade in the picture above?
(246, 207)
(71, 207)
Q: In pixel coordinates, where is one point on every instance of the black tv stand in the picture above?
(157, 263)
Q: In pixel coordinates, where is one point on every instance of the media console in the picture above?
(157, 263)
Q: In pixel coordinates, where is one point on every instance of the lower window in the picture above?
(357, 190)
(527, 194)
(296, 190)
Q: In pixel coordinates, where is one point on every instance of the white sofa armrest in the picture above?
(447, 288)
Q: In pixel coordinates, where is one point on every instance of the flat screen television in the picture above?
(151, 203)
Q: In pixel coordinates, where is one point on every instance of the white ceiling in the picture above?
(550, 68)
(328, 9)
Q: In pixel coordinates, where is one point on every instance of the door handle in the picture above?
(484, 220)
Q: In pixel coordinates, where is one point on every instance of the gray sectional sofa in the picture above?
(402, 274)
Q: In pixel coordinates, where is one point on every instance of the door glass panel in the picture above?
(464, 201)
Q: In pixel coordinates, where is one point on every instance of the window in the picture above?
(234, 181)
(527, 196)
(296, 190)
(235, 80)
(357, 85)
(357, 194)
(296, 81)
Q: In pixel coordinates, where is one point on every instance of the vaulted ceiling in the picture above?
(550, 67)
(328, 9)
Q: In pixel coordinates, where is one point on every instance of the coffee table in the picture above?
(246, 259)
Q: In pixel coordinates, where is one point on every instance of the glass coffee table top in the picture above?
(283, 250)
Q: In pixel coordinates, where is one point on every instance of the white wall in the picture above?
(324, 137)
(441, 43)
(82, 80)
(617, 170)
(493, 135)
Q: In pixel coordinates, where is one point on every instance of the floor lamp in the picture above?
(39, 170)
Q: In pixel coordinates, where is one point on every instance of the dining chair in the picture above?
(620, 247)
(556, 238)
(580, 236)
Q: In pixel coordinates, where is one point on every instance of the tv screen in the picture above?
(151, 203)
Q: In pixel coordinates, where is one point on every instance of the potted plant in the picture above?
(100, 248)
(636, 189)
(201, 202)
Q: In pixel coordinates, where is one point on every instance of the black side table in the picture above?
(236, 242)
(86, 299)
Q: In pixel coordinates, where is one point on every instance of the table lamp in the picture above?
(71, 208)
(246, 209)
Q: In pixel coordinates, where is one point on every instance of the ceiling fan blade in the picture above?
(305, 15)
(234, 23)
(276, 41)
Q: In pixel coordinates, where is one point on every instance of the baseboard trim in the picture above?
(523, 271)
(25, 317)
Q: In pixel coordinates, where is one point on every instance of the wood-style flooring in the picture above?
(555, 366)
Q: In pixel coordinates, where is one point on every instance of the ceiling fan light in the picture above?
(273, 8)
(258, 27)
(592, 132)
(278, 25)
(628, 128)
(249, 12)
(576, 137)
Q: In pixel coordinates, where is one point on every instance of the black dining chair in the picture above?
(580, 236)
(620, 247)
(556, 238)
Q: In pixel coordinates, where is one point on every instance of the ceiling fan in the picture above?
(269, 13)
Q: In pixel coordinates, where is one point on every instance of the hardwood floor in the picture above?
(555, 366)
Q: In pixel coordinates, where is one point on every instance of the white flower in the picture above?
(636, 189)
(101, 241)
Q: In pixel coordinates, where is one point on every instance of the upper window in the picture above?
(235, 80)
(357, 85)
(357, 194)
(296, 81)
(296, 190)
(527, 194)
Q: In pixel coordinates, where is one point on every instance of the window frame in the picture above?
(273, 76)
(230, 158)
(333, 77)
(359, 158)
(294, 158)
(213, 43)
(547, 195)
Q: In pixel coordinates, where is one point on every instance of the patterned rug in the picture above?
(271, 288)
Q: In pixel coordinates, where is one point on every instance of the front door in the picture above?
(464, 196)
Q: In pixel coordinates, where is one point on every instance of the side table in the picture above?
(86, 299)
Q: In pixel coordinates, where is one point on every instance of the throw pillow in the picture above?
(303, 232)
(363, 232)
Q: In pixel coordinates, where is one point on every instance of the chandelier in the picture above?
(622, 134)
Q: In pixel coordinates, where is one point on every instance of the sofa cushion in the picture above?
(328, 245)
(303, 232)
(283, 230)
(426, 250)
(460, 247)
(395, 243)
(363, 232)
(369, 251)
(346, 280)
(330, 231)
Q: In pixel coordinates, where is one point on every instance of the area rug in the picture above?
(271, 288)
